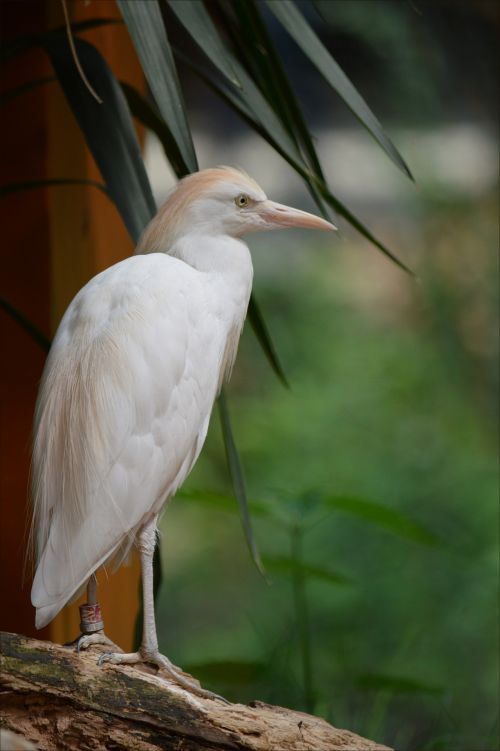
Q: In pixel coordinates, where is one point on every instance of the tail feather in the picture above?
(57, 581)
(47, 613)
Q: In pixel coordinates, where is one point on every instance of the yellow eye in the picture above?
(241, 201)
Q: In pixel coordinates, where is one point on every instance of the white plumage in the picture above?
(129, 385)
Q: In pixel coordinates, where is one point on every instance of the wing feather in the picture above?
(122, 414)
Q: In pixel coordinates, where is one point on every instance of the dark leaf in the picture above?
(279, 91)
(252, 105)
(20, 44)
(30, 328)
(298, 28)
(108, 130)
(264, 339)
(342, 210)
(19, 187)
(223, 502)
(145, 24)
(384, 516)
(148, 115)
(238, 481)
(261, 112)
(272, 77)
(287, 565)
(194, 17)
(8, 96)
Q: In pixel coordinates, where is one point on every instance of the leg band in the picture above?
(90, 618)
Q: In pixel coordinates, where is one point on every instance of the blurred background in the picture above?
(374, 478)
(393, 399)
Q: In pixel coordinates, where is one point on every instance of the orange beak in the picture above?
(277, 215)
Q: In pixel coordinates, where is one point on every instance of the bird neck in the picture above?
(221, 254)
(227, 267)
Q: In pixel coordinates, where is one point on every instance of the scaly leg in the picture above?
(91, 624)
(148, 651)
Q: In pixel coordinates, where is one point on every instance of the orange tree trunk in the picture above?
(55, 240)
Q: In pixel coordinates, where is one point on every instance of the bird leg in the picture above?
(91, 623)
(148, 651)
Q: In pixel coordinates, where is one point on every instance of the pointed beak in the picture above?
(275, 215)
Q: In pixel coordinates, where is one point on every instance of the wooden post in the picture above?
(55, 240)
(25, 262)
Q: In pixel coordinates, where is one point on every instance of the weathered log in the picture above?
(62, 701)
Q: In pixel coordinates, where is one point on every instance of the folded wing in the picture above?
(122, 414)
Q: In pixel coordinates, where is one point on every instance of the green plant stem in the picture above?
(302, 616)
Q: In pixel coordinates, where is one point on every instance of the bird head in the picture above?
(220, 201)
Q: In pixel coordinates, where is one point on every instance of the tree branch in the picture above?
(62, 700)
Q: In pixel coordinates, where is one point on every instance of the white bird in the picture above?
(128, 388)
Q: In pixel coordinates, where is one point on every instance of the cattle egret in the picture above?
(128, 388)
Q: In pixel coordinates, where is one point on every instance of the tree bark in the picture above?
(64, 701)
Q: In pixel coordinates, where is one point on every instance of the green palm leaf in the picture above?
(145, 24)
(21, 186)
(33, 331)
(238, 480)
(294, 22)
(263, 337)
(389, 518)
(195, 18)
(108, 130)
(14, 47)
(149, 116)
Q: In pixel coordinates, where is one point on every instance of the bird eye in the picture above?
(241, 201)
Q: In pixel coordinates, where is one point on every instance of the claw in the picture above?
(163, 663)
(104, 657)
(99, 637)
(120, 658)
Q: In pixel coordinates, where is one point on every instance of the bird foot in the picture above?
(164, 664)
(84, 641)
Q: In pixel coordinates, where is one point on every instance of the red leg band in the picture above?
(90, 618)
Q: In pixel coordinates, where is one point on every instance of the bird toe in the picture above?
(181, 678)
(120, 658)
(86, 640)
